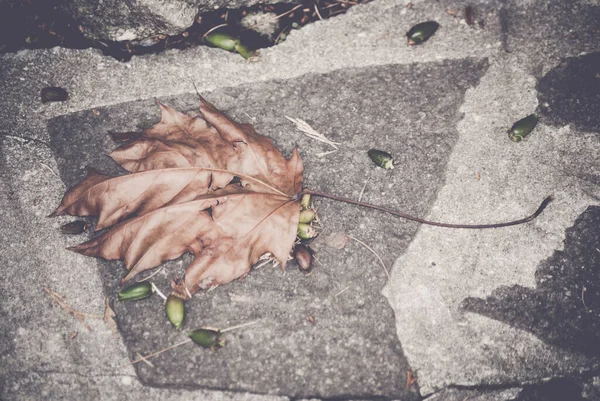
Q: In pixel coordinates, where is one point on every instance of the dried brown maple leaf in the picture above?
(204, 185)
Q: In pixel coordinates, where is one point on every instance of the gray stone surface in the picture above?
(570, 93)
(540, 33)
(564, 308)
(490, 176)
(486, 177)
(117, 20)
(354, 330)
(494, 180)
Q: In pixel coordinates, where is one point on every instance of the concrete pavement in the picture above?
(507, 314)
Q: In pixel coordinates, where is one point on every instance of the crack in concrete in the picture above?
(578, 378)
(79, 374)
(25, 140)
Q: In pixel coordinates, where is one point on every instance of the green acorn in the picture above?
(230, 43)
(175, 308)
(307, 215)
(207, 338)
(306, 231)
(305, 202)
(244, 51)
(421, 32)
(222, 40)
(522, 128)
(137, 291)
(381, 158)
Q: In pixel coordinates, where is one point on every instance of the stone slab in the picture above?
(39, 352)
(570, 93)
(490, 178)
(352, 349)
(564, 308)
(524, 41)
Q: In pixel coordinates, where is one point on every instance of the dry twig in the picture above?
(60, 300)
(212, 29)
(109, 318)
(387, 273)
(362, 191)
(153, 274)
(392, 295)
(239, 326)
(310, 132)
(159, 292)
(50, 169)
(317, 11)
(341, 292)
(145, 358)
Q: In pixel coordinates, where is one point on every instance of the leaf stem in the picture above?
(540, 209)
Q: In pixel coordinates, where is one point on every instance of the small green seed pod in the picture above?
(244, 51)
(222, 40)
(137, 291)
(307, 215)
(54, 94)
(304, 257)
(305, 202)
(421, 32)
(74, 227)
(306, 231)
(381, 158)
(522, 128)
(175, 308)
(207, 338)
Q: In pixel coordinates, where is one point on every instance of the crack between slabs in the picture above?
(516, 384)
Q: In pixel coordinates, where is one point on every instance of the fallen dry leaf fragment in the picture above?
(411, 379)
(204, 185)
(109, 318)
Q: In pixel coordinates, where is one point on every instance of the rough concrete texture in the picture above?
(501, 179)
(563, 309)
(520, 62)
(354, 329)
(117, 20)
(570, 93)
